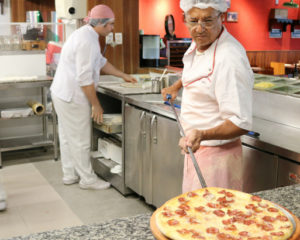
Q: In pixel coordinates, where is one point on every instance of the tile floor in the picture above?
(38, 201)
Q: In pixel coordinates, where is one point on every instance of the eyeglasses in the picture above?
(206, 23)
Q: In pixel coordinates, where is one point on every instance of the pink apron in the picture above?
(221, 166)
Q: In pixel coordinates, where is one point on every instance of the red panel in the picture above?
(251, 29)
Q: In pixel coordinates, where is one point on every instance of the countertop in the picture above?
(138, 227)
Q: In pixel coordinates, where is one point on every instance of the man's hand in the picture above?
(171, 91)
(129, 78)
(192, 140)
(97, 114)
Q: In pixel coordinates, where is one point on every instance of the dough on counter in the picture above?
(264, 85)
(131, 85)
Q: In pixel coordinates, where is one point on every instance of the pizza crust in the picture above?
(208, 223)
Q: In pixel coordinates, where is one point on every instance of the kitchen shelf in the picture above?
(20, 133)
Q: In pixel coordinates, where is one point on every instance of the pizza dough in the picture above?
(217, 213)
(131, 85)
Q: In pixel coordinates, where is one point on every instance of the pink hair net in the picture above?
(99, 12)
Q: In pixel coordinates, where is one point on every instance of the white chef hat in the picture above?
(219, 5)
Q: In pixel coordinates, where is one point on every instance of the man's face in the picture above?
(205, 26)
(104, 30)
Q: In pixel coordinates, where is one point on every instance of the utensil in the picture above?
(198, 171)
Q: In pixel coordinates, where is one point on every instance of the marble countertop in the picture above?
(138, 227)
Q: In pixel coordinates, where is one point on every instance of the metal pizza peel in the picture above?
(198, 171)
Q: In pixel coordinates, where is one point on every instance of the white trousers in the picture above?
(74, 127)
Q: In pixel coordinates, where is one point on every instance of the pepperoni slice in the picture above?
(197, 235)
(248, 222)
(244, 234)
(192, 194)
(200, 209)
(227, 221)
(219, 213)
(212, 230)
(263, 205)
(193, 220)
(282, 218)
(256, 198)
(277, 233)
(223, 236)
(183, 231)
(267, 227)
(173, 222)
(229, 194)
(180, 212)
(250, 206)
(212, 205)
(231, 228)
(269, 219)
(182, 200)
(184, 206)
(271, 209)
(167, 214)
(222, 192)
(257, 209)
(267, 238)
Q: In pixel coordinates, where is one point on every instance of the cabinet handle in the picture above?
(142, 126)
(154, 129)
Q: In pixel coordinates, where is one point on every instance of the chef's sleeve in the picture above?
(86, 58)
(234, 91)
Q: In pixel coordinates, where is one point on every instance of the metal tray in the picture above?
(289, 216)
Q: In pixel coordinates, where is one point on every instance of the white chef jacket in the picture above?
(217, 86)
(79, 65)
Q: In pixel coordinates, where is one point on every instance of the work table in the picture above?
(138, 227)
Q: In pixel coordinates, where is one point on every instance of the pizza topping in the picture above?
(193, 220)
(192, 194)
(250, 206)
(285, 227)
(183, 231)
(269, 219)
(213, 205)
(200, 209)
(277, 233)
(224, 236)
(219, 213)
(167, 214)
(182, 200)
(273, 209)
(197, 236)
(231, 228)
(227, 221)
(229, 194)
(257, 210)
(208, 196)
(212, 230)
(222, 191)
(184, 206)
(256, 198)
(244, 234)
(180, 212)
(248, 222)
(267, 227)
(173, 222)
(263, 205)
(282, 218)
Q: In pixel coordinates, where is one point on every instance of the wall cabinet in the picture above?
(154, 165)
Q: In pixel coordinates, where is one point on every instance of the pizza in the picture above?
(222, 214)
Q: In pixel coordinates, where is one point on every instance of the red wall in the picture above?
(251, 29)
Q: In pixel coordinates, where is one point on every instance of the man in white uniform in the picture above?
(217, 83)
(74, 96)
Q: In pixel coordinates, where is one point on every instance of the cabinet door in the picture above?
(135, 136)
(167, 161)
(259, 170)
(288, 172)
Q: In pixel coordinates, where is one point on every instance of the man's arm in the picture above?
(111, 70)
(97, 111)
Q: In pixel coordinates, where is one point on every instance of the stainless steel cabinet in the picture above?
(153, 163)
(259, 170)
(288, 172)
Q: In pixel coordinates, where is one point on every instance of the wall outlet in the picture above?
(109, 39)
(119, 38)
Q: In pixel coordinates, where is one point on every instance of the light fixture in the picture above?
(291, 4)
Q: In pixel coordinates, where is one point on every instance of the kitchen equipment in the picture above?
(199, 174)
(37, 107)
(155, 85)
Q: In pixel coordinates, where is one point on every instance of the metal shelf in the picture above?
(24, 143)
(31, 116)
